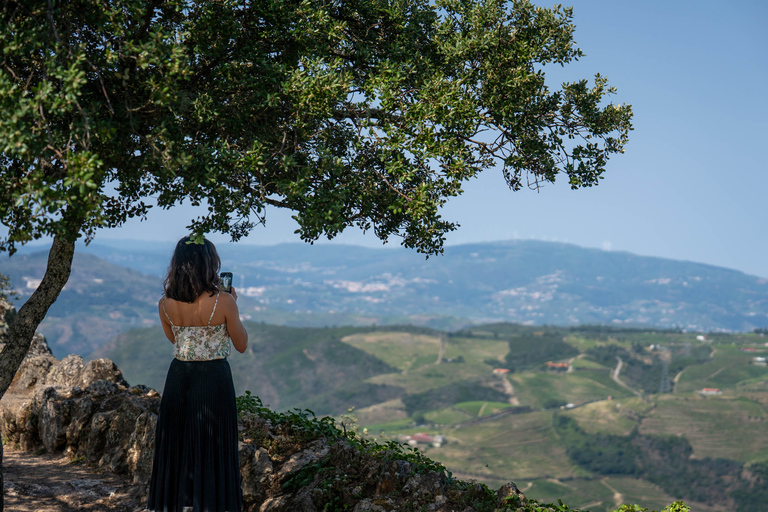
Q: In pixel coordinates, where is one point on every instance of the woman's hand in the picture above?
(235, 328)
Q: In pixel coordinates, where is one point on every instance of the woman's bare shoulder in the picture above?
(226, 300)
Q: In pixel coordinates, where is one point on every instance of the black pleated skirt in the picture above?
(196, 466)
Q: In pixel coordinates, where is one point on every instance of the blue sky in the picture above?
(692, 184)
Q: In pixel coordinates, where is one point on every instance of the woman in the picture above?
(195, 465)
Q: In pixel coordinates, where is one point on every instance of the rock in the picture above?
(97, 435)
(122, 426)
(66, 372)
(276, 504)
(429, 484)
(54, 420)
(141, 448)
(89, 412)
(33, 370)
(102, 389)
(126, 426)
(101, 369)
(35, 367)
(367, 505)
(440, 501)
(315, 451)
(302, 500)
(81, 412)
(7, 312)
(141, 389)
(509, 495)
(39, 347)
(255, 470)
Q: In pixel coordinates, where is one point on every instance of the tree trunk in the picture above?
(23, 326)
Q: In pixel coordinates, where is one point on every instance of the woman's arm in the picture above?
(235, 327)
(164, 322)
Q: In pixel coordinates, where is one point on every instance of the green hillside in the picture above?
(580, 433)
(100, 300)
(287, 367)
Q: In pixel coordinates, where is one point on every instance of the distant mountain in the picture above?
(99, 301)
(517, 281)
(528, 282)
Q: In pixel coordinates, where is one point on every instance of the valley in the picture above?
(536, 405)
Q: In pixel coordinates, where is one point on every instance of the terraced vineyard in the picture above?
(525, 446)
(542, 406)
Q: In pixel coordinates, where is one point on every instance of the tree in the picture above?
(367, 113)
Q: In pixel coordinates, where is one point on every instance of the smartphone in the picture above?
(226, 282)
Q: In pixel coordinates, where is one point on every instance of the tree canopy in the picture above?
(368, 113)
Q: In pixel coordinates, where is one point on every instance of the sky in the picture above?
(692, 184)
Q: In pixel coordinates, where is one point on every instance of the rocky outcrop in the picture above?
(283, 471)
(339, 476)
(85, 410)
(89, 412)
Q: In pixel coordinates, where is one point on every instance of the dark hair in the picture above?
(194, 270)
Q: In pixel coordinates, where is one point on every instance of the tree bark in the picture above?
(23, 326)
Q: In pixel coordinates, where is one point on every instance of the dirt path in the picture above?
(617, 496)
(50, 483)
(509, 389)
(615, 376)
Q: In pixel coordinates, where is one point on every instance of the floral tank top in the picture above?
(200, 343)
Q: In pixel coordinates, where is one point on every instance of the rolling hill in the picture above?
(99, 301)
(579, 432)
(114, 288)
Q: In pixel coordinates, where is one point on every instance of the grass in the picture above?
(582, 343)
(516, 447)
(728, 367)
(735, 429)
(389, 427)
(382, 413)
(287, 366)
(641, 492)
(407, 351)
(576, 493)
(600, 494)
(535, 389)
(433, 376)
(479, 349)
(447, 416)
(581, 363)
(401, 350)
(479, 408)
(617, 417)
(464, 411)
